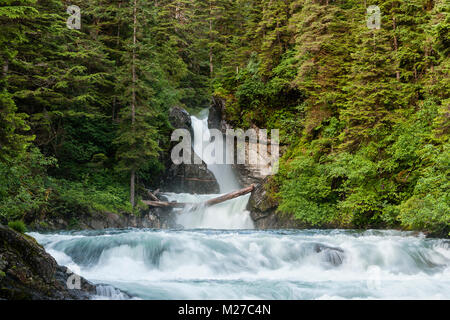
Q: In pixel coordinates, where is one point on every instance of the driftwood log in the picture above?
(208, 203)
(152, 196)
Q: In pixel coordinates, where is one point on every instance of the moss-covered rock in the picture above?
(28, 272)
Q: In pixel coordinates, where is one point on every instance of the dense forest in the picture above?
(363, 113)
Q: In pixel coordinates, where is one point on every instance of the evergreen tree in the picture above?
(14, 19)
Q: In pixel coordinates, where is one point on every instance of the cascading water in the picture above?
(208, 263)
(228, 215)
(218, 264)
(223, 173)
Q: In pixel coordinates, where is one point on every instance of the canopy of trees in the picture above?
(363, 113)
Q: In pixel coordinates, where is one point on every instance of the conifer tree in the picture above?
(139, 80)
(14, 19)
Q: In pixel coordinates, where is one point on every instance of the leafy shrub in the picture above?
(22, 184)
(18, 225)
(98, 193)
(429, 206)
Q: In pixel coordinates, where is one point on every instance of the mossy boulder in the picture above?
(27, 272)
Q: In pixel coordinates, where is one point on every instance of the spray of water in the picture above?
(218, 264)
(246, 264)
(228, 215)
(222, 172)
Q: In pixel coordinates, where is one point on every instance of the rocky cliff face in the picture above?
(27, 272)
(262, 208)
(188, 178)
(216, 116)
(180, 119)
(247, 173)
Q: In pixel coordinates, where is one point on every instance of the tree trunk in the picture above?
(118, 27)
(5, 68)
(133, 68)
(208, 203)
(132, 184)
(133, 98)
(211, 66)
(394, 24)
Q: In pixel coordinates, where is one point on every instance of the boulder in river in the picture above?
(334, 256)
(27, 272)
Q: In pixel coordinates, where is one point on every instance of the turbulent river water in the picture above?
(219, 255)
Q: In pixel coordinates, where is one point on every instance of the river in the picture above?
(219, 255)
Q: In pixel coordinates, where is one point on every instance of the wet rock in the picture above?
(180, 119)
(152, 218)
(187, 178)
(216, 116)
(28, 272)
(263, 211)
(260, 200)
(247, 173)
(246, 176)
(334, 256)
(191, 178)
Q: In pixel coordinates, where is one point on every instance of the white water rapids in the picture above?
(228, 215)
(219, 256)
(219, 264)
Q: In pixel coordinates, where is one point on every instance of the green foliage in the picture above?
(363, 113)
(307, 193)
(23, 187)
(93, 194)
(429, 206)
(69, 92)
(13, 141)
(18, 226)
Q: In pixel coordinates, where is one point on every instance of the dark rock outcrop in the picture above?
(191, 178)
(216, 116)
(263, 211)
(27, 272)
(187, 178)
(180, 119)
(246, 176)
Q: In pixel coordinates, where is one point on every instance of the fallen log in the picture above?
(163, 204)
(152, 196)
(208, 203)
(229, 196)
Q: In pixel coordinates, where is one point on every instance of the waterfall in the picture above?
(222, 172)
(231, 214)
(202, 262)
